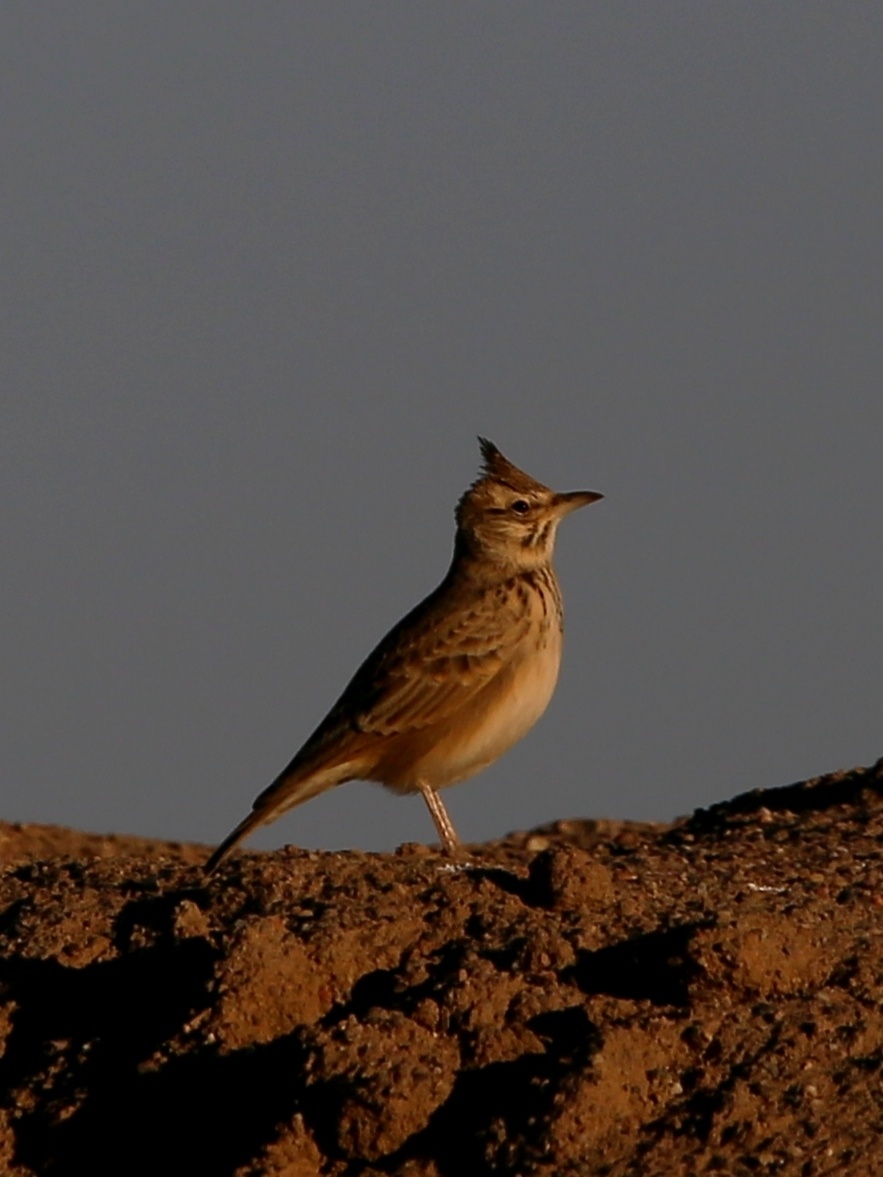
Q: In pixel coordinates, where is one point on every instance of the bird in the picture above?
(462, 677)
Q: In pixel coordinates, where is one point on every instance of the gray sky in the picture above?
(267, 271)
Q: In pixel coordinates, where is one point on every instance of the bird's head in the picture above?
(508, 517)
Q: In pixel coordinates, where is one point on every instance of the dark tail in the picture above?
(289, 789)
(233, 839)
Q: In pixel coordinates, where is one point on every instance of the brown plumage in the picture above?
(462, 676)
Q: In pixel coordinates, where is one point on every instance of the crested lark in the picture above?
(463, 676)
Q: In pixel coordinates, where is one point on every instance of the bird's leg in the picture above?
(443, 823)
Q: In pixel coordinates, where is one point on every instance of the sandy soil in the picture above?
(590, 998)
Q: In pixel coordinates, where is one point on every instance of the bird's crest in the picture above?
(497, 467)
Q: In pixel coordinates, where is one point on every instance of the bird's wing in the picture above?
(425, 686)
(432, 664)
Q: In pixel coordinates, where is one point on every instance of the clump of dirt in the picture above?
(703, 997)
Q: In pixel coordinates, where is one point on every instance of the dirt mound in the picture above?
(590, 998)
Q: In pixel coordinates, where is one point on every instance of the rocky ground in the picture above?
(590, 998)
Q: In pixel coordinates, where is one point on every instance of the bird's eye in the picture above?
(521, 506)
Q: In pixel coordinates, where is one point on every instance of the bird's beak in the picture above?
(572, 500)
